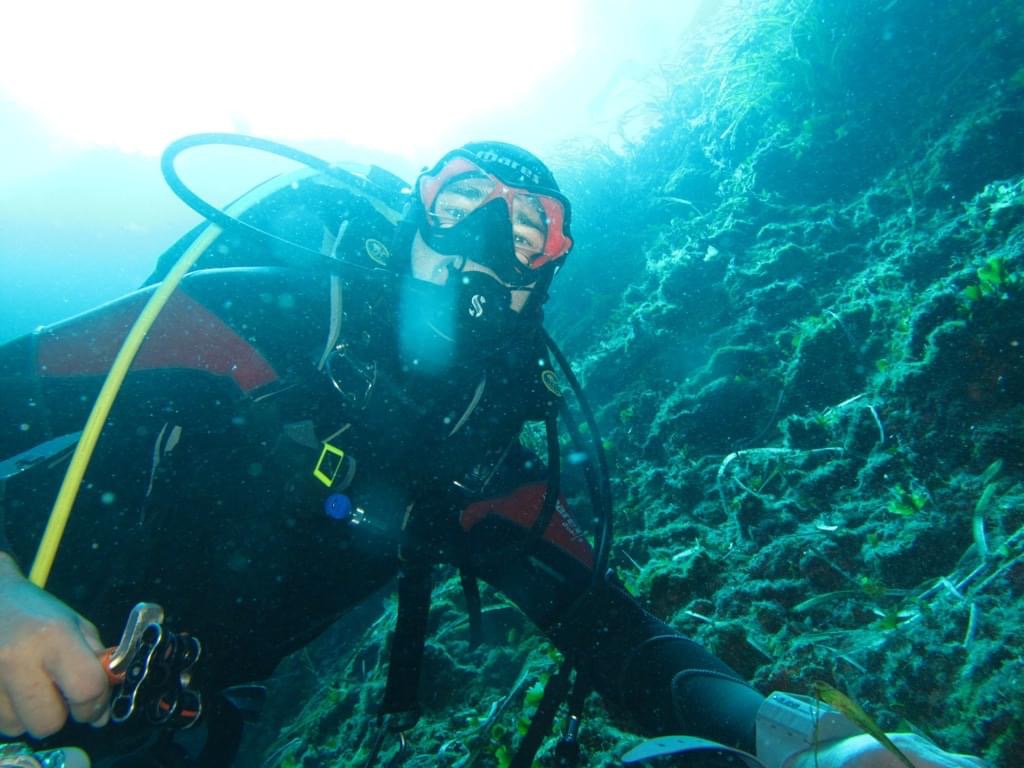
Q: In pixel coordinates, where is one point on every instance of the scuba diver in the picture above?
(334, 396)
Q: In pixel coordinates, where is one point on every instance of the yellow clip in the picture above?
(331, 457)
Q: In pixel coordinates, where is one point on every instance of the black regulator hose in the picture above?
(603, 501)
(225, 220)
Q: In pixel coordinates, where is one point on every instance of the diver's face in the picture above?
(437, 268)
(465, 195)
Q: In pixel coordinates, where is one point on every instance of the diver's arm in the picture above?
(665, 682)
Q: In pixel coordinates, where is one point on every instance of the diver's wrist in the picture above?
(788, 725)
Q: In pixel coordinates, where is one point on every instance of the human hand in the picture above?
(865, 751)
(48, 661)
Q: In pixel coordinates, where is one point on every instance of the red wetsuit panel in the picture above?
(522, 507)
(186, 335)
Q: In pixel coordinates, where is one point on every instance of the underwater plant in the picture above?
(907, 503)
(994, 279)
(843, 703)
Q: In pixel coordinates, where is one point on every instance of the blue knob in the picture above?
(338, 506)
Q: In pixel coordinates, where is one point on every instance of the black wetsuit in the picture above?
(201, 495)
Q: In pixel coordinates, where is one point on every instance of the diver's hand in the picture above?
(48, 661)
(864, 751)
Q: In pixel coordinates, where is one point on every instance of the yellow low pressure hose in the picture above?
(40, 571)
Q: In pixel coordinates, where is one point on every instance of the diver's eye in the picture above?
(460, 198)
(448, 214)
(528, 241)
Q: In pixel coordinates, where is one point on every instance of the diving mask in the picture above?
(513, 230)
